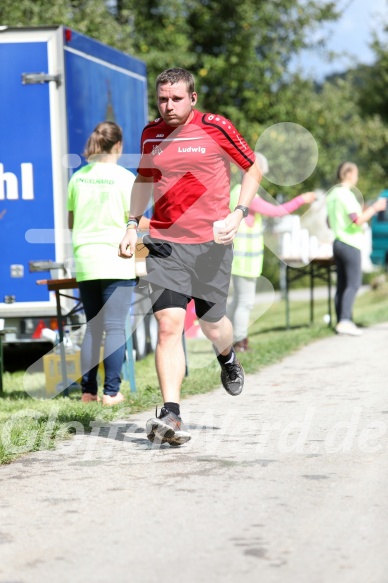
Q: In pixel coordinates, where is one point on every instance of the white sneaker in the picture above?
(348, 328)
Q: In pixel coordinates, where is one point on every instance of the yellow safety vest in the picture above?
(248, 244)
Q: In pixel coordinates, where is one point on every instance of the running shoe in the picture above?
(167, 428)
(232, 377)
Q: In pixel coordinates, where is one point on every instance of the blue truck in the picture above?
(379, 226)
(57, 85)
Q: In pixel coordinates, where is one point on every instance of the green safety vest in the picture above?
(248, 244)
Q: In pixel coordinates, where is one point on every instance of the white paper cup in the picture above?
(217, 227)
(48, 334)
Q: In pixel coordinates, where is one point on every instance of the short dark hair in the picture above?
(175, 75)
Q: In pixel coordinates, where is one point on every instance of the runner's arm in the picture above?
(140, 197)
(249, 187)
(261, 206)
(369, 212)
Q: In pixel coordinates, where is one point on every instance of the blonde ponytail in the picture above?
(101, 141)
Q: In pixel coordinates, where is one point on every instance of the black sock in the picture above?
(223, 359)
(173, 407)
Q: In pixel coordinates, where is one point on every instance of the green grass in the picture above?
(29, 424)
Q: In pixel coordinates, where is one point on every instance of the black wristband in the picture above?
(243, 209)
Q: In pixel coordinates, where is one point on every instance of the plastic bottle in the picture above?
(67, 341)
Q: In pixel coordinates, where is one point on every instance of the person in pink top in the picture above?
(248, 255)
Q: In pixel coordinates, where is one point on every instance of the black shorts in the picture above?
(178, 272)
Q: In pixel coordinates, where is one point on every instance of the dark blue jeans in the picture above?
(106, 304)
(349, 278)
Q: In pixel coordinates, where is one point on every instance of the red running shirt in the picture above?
(190, 166)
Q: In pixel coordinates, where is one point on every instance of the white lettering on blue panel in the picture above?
(9, 186)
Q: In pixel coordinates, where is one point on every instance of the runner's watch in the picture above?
(243, 209)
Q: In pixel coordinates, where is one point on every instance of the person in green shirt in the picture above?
(99, 197)
(346, 217)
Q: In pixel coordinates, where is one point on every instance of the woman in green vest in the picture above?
(248, 251)
(346, 217)
(99, 196)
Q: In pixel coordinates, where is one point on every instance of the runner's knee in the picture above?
(169, 325)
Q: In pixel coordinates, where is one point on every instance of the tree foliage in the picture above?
(371, 84)
(91, 17)
(240, 53)
(373, 98)
(341, 129)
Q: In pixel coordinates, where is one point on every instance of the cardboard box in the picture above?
(53, 372)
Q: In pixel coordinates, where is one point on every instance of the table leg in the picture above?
(129, 365)
(62, 345)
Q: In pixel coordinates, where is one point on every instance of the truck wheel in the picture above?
(139, 337)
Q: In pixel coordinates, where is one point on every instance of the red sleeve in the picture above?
(259, 205)
(145, 164)
(226, 135)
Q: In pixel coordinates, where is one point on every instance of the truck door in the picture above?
(32, 179)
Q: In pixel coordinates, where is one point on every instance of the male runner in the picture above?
(186, 159)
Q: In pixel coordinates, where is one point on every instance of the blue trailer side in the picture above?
(104, 83)
(26, 190)
(60, 84)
